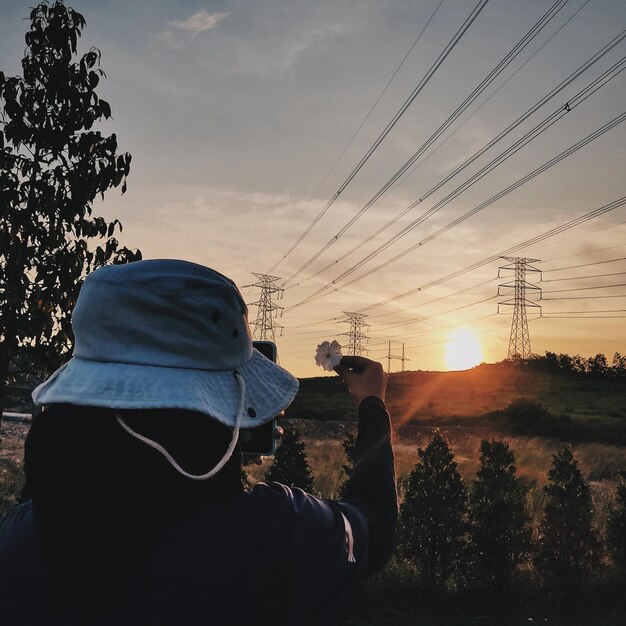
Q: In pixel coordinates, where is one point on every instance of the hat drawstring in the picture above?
(170, 458)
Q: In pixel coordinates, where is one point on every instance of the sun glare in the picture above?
(463, 351)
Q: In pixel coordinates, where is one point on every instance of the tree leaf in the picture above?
(105, 108)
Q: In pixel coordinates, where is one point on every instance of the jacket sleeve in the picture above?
(371, 488)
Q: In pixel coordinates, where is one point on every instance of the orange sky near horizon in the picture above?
(245, 123)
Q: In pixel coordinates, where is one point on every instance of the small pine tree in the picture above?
(290, 465)
(434, 515)
(500, 521)
(616, 524)
(569, 547)
(349, 447)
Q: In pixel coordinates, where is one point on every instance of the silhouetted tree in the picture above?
(500, 521)
(618, 367)
(569, 546)
(349, 447)
(290, 465)
(616, 524)
(52, 167)
(598, 366)
(434, 515)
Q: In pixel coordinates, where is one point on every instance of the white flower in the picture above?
(328, 355)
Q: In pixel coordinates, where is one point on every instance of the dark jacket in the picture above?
(144, 555)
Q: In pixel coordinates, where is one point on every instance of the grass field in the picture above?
(467, 407)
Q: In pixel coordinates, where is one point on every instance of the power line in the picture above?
(495, 72)
(571, 256)
(422, 304)
(597, 317)
(441, 328)
(380, 95)
(584, 312)
(611, 206)
(542, 168)
(429, 74)
(578, 236)
(586, 288)
(546, 123)
(558, 280)
(571, 267)
(428, 317)
(487, 100)
(621, 295)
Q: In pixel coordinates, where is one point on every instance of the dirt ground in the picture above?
(13, 433)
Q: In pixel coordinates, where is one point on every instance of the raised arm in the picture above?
(372, 484)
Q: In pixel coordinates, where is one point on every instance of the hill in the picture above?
(561, 404)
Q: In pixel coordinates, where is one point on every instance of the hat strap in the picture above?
(170, 458)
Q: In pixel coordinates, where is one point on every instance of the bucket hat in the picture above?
(168, 334)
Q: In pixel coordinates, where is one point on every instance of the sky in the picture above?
(235, 113)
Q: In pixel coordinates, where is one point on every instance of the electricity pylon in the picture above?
(400, 358)
(355, 335)
(519, 342)
(265, 325)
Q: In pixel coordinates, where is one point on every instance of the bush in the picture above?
(12, 486)
(349, 448)
(499, 519)
(290, 466)
(528, 417)
(569, 547)
(616, 524)
(434, 516)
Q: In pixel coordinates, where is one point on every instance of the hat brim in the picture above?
(269, 388)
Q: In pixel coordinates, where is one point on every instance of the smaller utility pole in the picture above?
(399, 358)
(356, 336)
(403, 358)
(264, 325)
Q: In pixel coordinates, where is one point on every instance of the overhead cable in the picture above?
(542, 168)
(611, 206)
(407, 103)
(380, 95)
(571, 267)
(495, 72)
(532, 134)
(620, 295)
(558, 280)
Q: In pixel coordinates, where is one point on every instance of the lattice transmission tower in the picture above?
(265, 326)
(356, 336)
(399, 358)
(519, 342)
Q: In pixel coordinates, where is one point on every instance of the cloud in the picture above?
(199, 22)
(179, 32)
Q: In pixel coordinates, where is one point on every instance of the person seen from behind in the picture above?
(135, 471)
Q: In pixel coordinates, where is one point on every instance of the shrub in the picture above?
(499, 519)
(434, 516)
(11, 485)
(569, 547)
(349, 448)
(290, 465)
(616, 524)
(528, 417)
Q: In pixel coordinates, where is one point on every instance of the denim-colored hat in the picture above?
(168, 334)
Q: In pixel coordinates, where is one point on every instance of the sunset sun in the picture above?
(463, 351)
